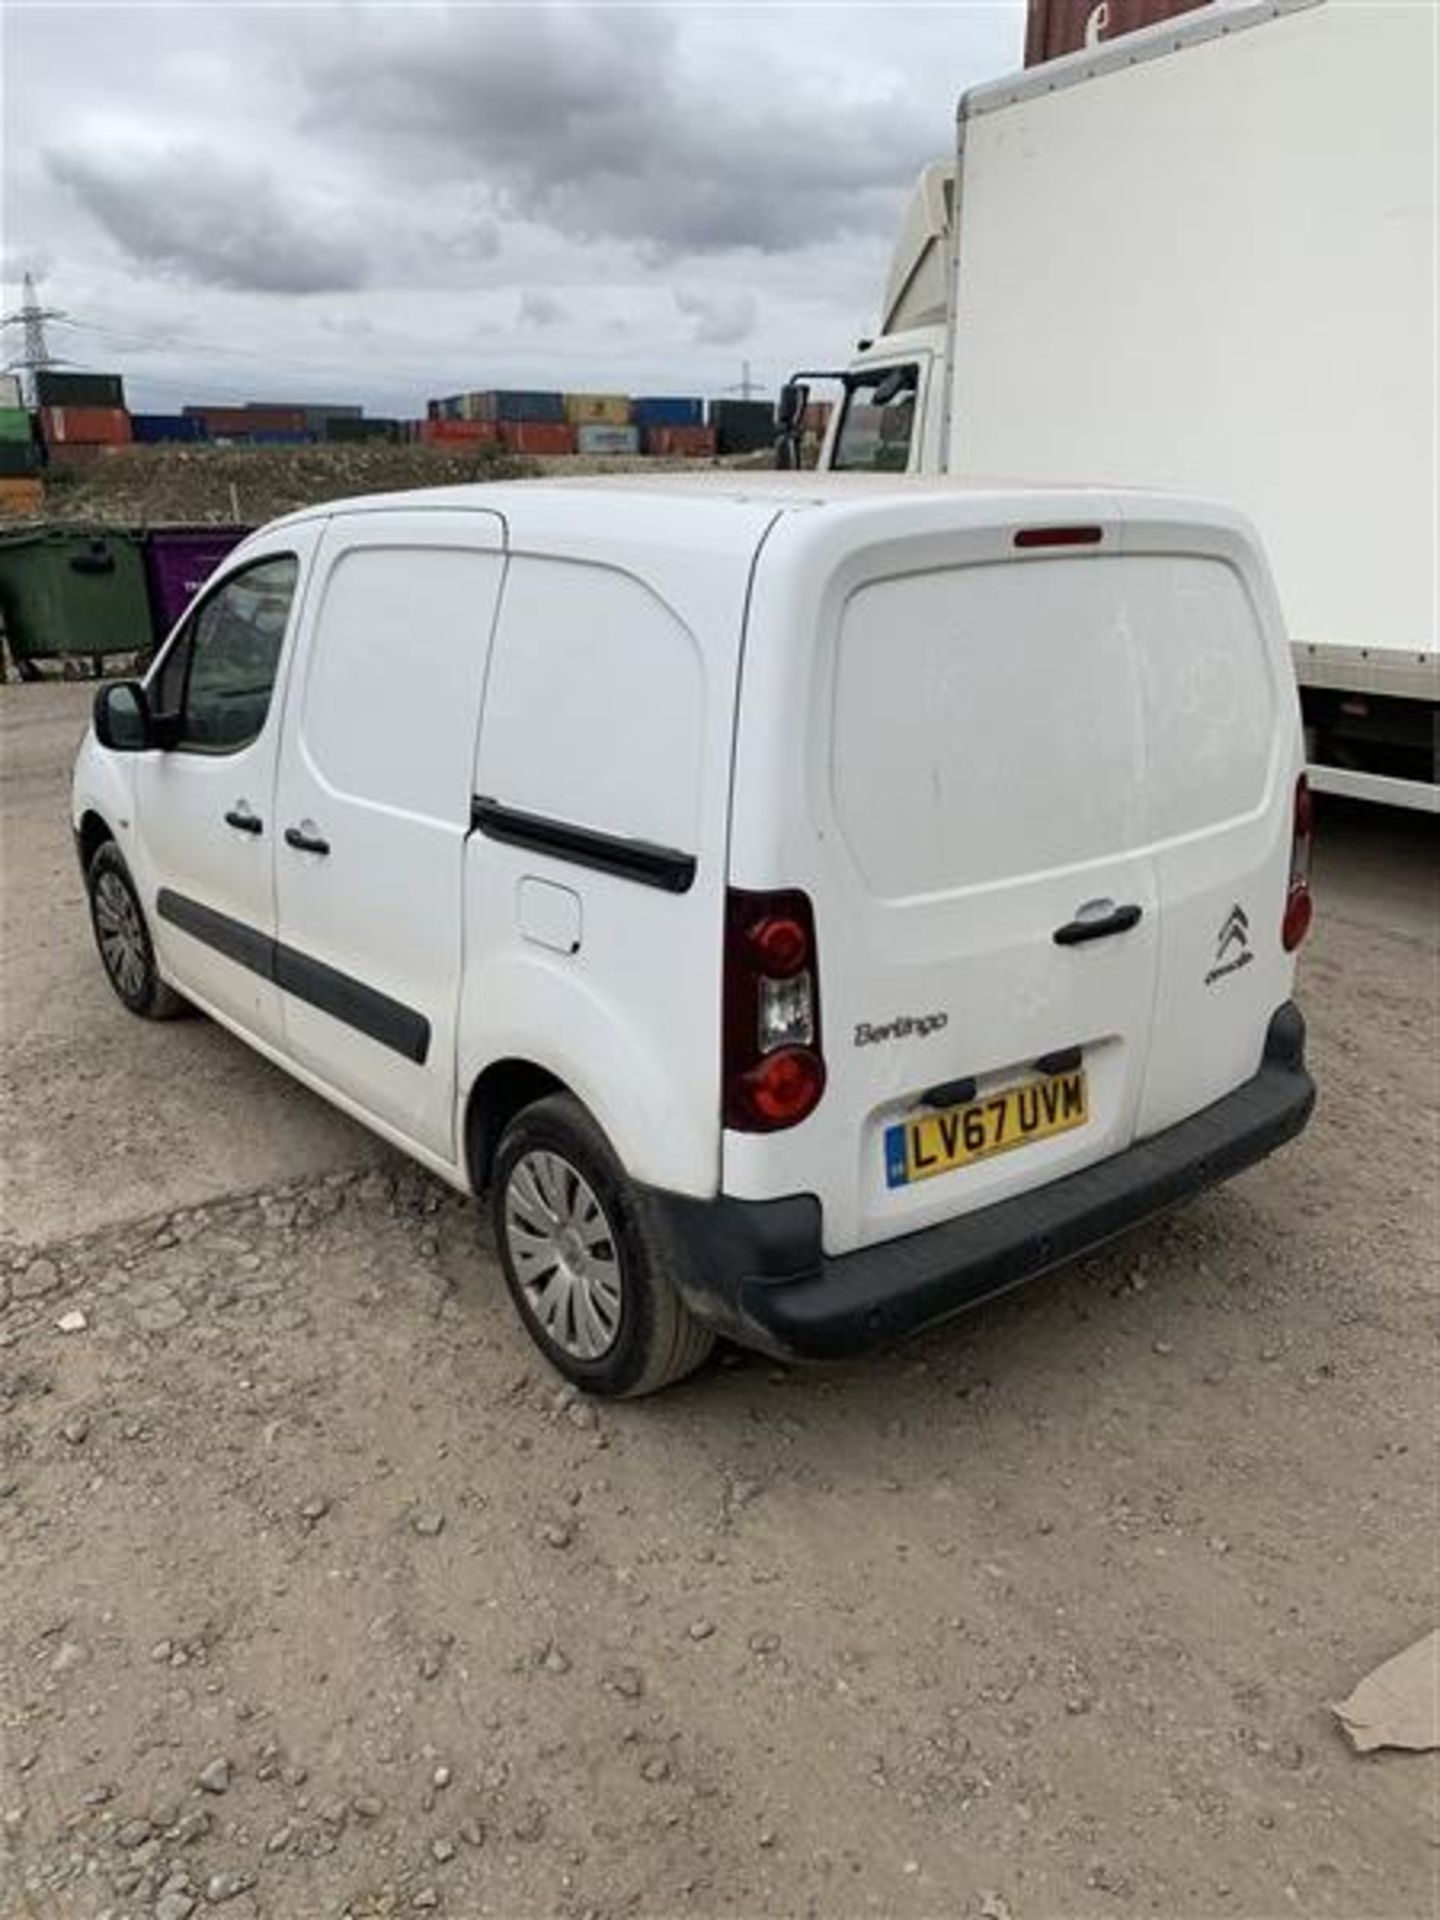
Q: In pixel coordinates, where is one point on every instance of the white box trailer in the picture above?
(1203, 257)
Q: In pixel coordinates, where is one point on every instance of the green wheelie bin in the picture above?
(72, 592)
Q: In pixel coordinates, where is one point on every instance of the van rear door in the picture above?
(975, 851)
(999, 786)
(1223, 731)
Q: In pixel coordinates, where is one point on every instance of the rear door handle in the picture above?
(243, 820)
(1098, 926)
(306, 842)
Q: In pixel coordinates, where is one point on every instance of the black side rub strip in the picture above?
(344, 998)
(652, 866)
(231, 937)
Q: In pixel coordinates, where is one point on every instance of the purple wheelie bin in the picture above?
(178, 562)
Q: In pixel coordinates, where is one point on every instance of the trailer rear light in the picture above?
(1059, 536)
(773, 1070)
(1299, 906)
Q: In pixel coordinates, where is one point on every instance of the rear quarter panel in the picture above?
(629, 1019)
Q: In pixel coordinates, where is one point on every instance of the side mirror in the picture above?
(122, 717)
(794, 398)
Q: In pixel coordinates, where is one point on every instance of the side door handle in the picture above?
(243, 820)
(305, 839)
(1097, 926)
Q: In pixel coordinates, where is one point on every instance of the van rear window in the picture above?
(999, 721)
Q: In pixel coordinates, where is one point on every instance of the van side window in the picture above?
(594, 706)
(392, 689)
(217, 679)
(877, 422)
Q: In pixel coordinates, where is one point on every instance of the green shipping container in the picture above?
(14, 423)
(72, 591)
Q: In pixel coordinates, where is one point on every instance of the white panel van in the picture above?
(807, 905)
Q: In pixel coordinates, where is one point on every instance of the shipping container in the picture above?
(10, 394)
(537, 436)
(517, 406)
(315, 412)
(594, 437)
(279, 437)
(236, 422)
(742, 426)
(665, 411)
(597, 409)
(151, 429)
(452, 407)
(18, 457)
(678, 443)
(85, 426)
(15, 424)
(178, 562)
(1056, 27)
(55, 389)
(21, 496)
(346, 427)
(459, 433)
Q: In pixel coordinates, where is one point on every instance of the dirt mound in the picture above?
(155, 486)
(211, 486)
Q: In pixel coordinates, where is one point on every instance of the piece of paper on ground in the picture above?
(1398, 1705)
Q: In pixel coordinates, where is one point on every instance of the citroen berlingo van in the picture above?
(807, 905)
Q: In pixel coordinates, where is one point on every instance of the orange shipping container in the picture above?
(680, 443)
(536, 436)
(462, 433)
(85, 426)
(21, 496)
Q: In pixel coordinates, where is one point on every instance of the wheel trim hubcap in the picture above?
(121, 935)
(563, 1254)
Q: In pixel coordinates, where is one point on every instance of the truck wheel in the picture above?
(123, 938)
(581, 1269)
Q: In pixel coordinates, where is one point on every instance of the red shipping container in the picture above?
(680, 443)
(461, 433)
(1056, 27)
(85, 426)
(536, 436)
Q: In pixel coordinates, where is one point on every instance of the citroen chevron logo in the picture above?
(1232, 946)
(1235, 932)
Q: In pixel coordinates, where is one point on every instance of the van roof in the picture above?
(551, 503)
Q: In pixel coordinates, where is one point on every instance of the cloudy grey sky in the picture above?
(385, 202)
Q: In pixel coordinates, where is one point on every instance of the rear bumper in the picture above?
(755, 1270)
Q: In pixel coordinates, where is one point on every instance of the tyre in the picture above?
(581, 1269)
(123, 938)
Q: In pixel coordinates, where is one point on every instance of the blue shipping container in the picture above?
(277, 437)
(663, 411)
(151, 428)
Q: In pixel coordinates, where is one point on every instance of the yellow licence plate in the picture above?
(931, 1143)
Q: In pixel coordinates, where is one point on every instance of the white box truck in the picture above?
(1203, 257)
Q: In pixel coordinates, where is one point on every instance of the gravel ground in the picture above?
(318, 1596)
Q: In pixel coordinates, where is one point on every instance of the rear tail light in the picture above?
(773, 1068)
(1299, 907)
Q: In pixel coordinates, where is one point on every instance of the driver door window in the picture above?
(878, 422)
(215, 683)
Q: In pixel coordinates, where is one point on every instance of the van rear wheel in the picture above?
(582, 1271)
